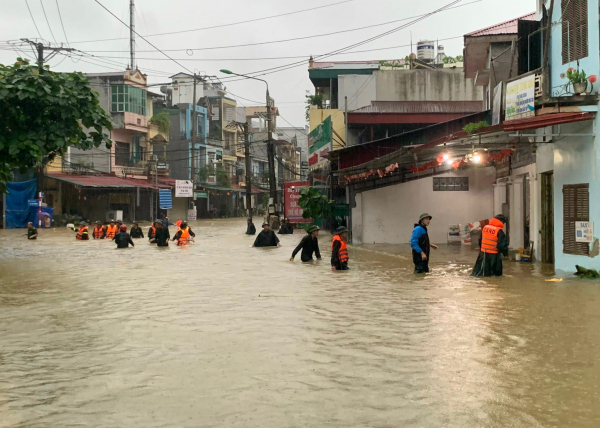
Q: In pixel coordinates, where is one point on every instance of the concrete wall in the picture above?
(426, 85)
(576, 161)
(360, 90)
(388, 214)
(180, 208)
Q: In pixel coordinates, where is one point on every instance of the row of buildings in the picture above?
(506, 129)
(152, 149)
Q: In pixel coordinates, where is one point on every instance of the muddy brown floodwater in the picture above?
(218, 334)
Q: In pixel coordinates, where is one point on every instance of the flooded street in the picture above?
(218, 334)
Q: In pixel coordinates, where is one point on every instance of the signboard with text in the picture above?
(292, 195)
(520, 96)
(184, 189)
(584, 231)
(319, 143)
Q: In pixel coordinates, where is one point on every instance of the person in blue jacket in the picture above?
(419, 242)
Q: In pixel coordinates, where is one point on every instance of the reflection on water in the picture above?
(221, 334)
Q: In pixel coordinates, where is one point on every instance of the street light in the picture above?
(270, 148)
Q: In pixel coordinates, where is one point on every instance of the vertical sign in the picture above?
(292, 195)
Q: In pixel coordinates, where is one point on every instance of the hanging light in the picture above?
(476, 158)
(449, 162)
(445, 157)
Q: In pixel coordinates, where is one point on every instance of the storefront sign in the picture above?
(584, 231)
(161, 165)
(201, 195)
(184, 189)
(292, 195)
(520, 96)
(497, 107)
(319, 142)
(34, 202)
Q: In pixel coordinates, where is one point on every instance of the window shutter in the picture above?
(574, 30)
(576, 207)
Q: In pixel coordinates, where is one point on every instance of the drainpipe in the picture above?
(545, 70)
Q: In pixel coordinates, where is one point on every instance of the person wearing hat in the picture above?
(184, 234)
(266, 238)
(286, 228)
(111, 230)
(136, 231)
(250, 230)
(339, 250)
(32, 232)
(82, 232)
(493, 244)
(99, 232)
(123, 239)
(309, 245)
(162, 235)
(421, 247)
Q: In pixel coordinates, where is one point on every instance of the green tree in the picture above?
(313, 100)
(314, 205)
(459, 58)
(223, 179)
(448, 60)
(42, 113)
(205, 172)
(162, 121)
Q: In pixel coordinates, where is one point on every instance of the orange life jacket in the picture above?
(151, 232)
(489, 236)
(98, 232)
(343, 254)
(111, 231)
(81, 231)
(185, 236)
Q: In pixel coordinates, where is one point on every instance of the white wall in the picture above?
(359, 88)
(388, 214)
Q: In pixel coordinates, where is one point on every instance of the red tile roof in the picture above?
(105, 181)
(416, 107)
(508, 27)
(546, 120)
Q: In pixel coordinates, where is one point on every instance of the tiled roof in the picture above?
(371, 64)
(105, 180)
(418, 107)
(508, 27)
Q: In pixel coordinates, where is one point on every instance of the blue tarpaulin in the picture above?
(18, 213)
(165, 200)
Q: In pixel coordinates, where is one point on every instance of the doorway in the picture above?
(547, 217)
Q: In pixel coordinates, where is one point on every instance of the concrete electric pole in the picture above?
(40, 48)
(132, 33)
(248, 170)
(194, 132)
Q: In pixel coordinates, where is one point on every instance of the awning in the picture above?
(546, 120)
(102, 181)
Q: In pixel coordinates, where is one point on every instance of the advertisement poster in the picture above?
(584, 231)
(184, 189)
(520, 96)
(292, 195)
(319, 143)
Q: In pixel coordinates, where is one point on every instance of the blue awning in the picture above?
(165, 200)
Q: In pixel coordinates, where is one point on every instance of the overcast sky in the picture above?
(86, 20)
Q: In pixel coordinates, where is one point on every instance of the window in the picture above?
(574, 30)
(121, 154)
(126, 98)
(451, 184)
(576, 207)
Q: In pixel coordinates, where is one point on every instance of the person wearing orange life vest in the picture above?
(82, 232)
(184, 234)
(99, 232)
(152, 231)
(111, 230)
(493, 245)
(339, 250)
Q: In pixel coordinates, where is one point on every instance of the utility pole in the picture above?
(194, 130)
(346, 109)
(271, 156)
(132, 33)
(40, 48)
(248, 171)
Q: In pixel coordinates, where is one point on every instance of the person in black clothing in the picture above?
(493, 245)
(339, 250)
(32, 232)
(251, 230)
(266, 238)
(162, 235)
(136, 231)
(286, 228)
(122, 239)
(309, 245)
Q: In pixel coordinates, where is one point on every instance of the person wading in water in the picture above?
(309, 245)
(493, 244)
(420, 244)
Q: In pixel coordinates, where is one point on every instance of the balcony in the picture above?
(130, 121)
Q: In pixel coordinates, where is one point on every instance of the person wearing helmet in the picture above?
(162, 235)
(82, 232)
(136, 231)
(184, 234)
(309, 245)
(123, 239)
(266, 238)
(32, 232)
(421, 247)
(493, 244)
(250, 230)
(99, 231)
(339, 250)
(286, 228)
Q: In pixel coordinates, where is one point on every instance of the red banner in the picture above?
(292, 195)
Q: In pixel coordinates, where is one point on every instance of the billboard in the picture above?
(319, 143)
(292, 195)
(184, 189)
(520, 96)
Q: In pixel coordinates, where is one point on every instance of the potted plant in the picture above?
(578, 79)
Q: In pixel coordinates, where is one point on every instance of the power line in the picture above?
(222, 25)
(119, 19)
(48, 22)
(61, 23)
(33, 19)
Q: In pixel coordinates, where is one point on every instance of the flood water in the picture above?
(218, 334)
